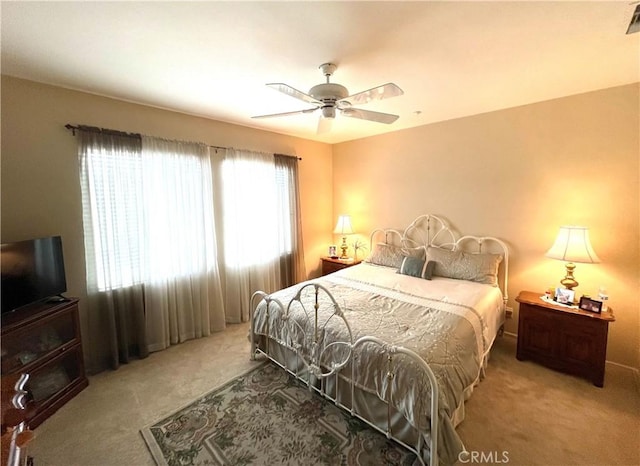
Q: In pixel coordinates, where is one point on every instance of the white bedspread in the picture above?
(486, 300)
(450, 323)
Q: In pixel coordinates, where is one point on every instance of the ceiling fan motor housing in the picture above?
(328, 92)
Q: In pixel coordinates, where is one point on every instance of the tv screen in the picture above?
(32, 270)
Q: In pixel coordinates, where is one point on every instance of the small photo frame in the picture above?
(333, 251)
(565, 296)
(591, 305)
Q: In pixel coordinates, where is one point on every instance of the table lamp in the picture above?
(572, 245)
(343, 227)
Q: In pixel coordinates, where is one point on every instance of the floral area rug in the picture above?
(266, 417)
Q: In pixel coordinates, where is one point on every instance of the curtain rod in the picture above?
(287, 155)
(74, 128)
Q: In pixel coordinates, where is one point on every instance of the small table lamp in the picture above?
(572, 245)
(343, 227)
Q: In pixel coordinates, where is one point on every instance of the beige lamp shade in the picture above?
(344, 228)
(572, 245)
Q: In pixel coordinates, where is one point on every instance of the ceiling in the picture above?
(212, 59)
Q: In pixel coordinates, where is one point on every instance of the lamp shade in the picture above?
(573, 245)
(343, 227)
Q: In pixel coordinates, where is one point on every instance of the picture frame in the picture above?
(565, 296)
(590, 305)
(333, 251)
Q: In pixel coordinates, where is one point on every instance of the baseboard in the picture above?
(510, 334)
(634, 371)
(624, 366)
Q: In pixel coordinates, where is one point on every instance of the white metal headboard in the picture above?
(426, 230)
(390, 235)
(431, 230)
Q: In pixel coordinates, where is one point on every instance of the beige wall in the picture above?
(40, 191)
(518, 174)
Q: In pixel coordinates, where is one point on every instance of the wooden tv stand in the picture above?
(44, 341)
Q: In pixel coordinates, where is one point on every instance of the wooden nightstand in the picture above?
(330, 265)
(562, 338)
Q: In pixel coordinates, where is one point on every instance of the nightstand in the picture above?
(566, 339)
(330, 265)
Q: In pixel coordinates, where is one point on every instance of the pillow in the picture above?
(385, 254)
(480, 268)
(418, 252)
(391, 256)
(413, 266)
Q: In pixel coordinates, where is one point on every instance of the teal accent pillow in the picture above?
(412, 266)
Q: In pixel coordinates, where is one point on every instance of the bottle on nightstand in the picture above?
(550, 293)
(604, 297)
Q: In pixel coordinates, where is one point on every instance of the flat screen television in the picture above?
(32, 271)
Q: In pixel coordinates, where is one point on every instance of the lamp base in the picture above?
(344, 248)
(568, 281)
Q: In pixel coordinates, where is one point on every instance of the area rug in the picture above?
(266, 417)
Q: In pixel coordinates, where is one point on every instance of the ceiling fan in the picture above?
(329, 97)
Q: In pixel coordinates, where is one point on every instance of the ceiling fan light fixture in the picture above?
(328, 112)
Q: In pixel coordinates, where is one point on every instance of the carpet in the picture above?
(266, 417)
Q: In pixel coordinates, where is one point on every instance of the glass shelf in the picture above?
(31, 343)
(49, 380)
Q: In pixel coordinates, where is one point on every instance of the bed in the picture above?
(399, 340)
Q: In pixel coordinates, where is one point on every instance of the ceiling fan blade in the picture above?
(324, 125)
(297, 112)
(290, 91)
(377, 93)
(369, 115)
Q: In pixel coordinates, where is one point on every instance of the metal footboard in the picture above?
(309, 341)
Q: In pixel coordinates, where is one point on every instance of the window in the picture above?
(112, 223)
(148, 211)
(257, 209)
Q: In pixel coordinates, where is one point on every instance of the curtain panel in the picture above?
(150, 245)
(259, 228)
(115, 312)
(288, 167)
(177, 239)
(183, 296)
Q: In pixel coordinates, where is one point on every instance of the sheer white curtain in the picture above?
(183, 296)
(257, 231)
(152, 273)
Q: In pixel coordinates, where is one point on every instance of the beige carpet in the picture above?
(535, 415)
